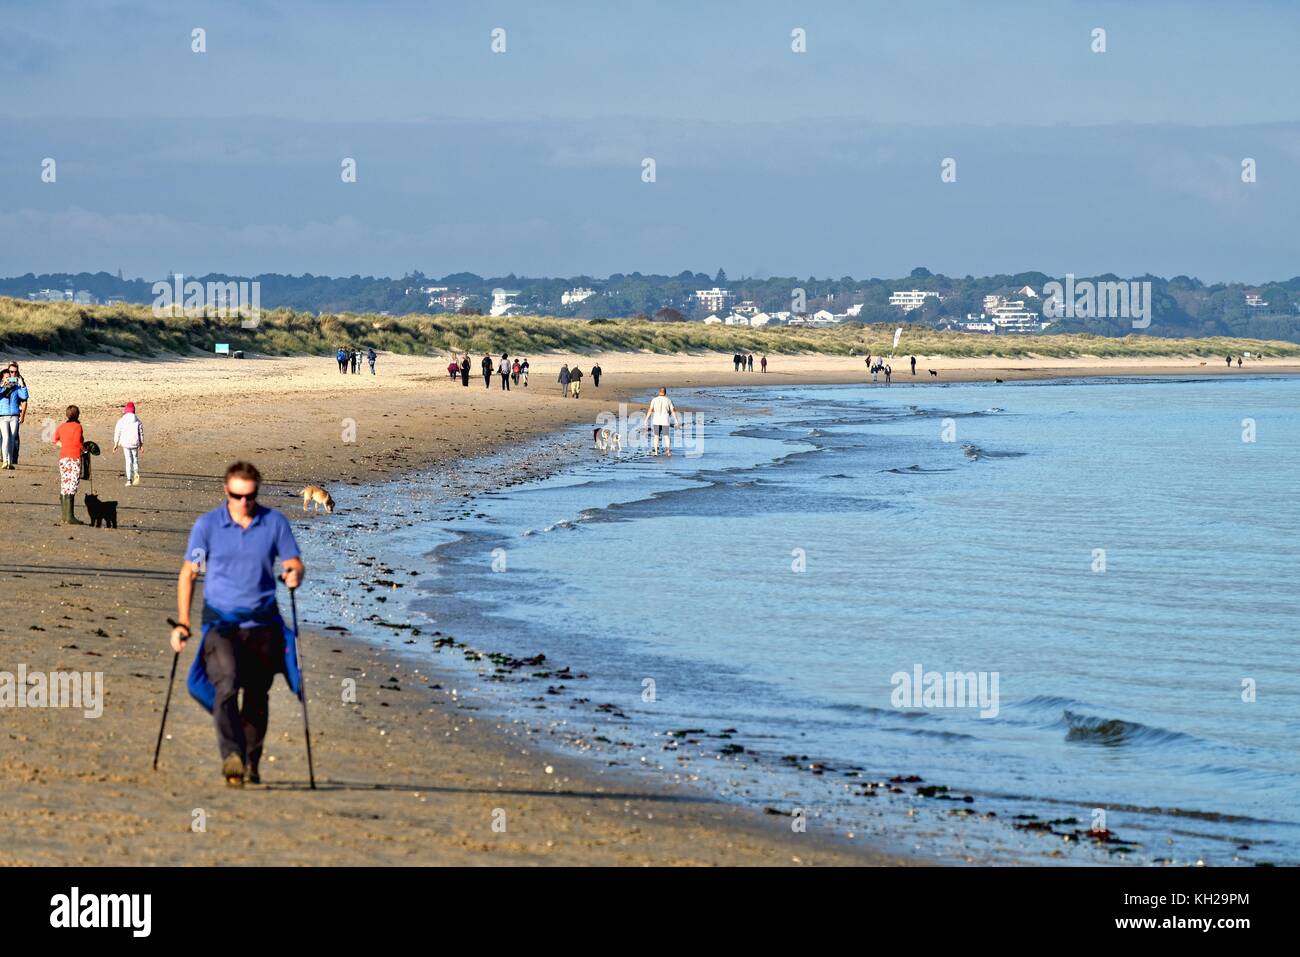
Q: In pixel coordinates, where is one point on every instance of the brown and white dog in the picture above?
(317, 496)
(606, 440)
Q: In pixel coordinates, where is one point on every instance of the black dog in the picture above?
(933, 373)
(101, 513)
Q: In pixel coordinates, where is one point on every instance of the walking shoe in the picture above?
(254, 776)
(233, 769)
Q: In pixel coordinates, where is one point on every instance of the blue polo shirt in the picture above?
(239, 563)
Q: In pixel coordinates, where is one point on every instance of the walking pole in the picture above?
(302, 684)
(176, 656)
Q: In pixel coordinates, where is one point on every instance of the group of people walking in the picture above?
(571, 380)
(744, 362)
(351, 357)
(68, 439)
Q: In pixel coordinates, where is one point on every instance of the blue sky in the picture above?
(768, 162)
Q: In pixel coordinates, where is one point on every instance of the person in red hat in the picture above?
(128, 435)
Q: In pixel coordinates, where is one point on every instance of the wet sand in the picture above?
(405, 777)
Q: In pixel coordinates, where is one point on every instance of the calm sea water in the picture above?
(1111, 550)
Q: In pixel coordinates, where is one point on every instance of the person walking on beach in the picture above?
(661, 416)
(128, 435)
(371, 356)
(913, 365)
(13, 411)
(523, 371)
(69, 437)
(504, 370)
(763, 363)
(575, 381)
(595, 375)
(464, 371)
(453, 368)
(342, 356)
(514, 371)
(735, 362)
(486, 365)
(243, 642)
(889, 371)
(750, 359)
(1238, 362)
(1229, 362)
(564, 380)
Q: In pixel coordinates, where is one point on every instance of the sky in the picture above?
(766, 161)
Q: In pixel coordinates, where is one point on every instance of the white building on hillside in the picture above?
(1010, 315)
(759, 319)
(910, 299)
(1254, 302)
(715, 299)
(712, 321)
(501, 304)
(735, 319)
(575, 296)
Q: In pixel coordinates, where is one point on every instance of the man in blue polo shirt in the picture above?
(244, 641)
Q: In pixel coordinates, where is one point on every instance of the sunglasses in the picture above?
(250, 497)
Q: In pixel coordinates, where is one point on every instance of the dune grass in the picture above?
(66, 328)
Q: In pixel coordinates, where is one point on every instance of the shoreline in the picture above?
(406, 784)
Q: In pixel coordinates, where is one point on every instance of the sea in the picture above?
(1030, 622)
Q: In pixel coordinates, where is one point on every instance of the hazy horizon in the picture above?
(767, 161)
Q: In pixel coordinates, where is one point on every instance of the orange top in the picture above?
(69, 433)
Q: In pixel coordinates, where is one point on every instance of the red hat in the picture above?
(130, 407)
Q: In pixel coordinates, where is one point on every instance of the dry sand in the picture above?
(405, 778)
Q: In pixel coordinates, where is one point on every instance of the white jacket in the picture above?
(128, 433)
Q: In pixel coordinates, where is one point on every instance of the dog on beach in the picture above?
(933, 373)
(102, 514)
(606, 440)
(316, 496)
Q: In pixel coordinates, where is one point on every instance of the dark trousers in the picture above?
(487, 380)
(464, 378)
(505, 381)
(247, 658)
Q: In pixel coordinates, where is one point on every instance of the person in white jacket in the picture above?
(128, 435)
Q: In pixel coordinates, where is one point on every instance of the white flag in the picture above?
(898, 334)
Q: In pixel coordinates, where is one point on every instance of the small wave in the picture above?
(1115, 732)
(975, 453)
(913, 470)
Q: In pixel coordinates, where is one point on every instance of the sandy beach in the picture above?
(405, 777)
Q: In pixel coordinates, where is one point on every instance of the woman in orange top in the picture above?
(68, 438)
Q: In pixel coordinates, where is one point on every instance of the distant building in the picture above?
(854, 310)
(712, 321)
(823, 316)
(577, 295)
(1010, 315)
(910, 299)
(715, 299)
(1254, 302)
(746, 308)
(1027, 292)
(735, 319)
(501, 304)
(759, 319)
